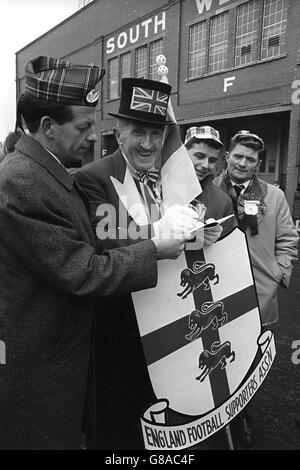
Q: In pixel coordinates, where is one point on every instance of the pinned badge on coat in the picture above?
(251, 207)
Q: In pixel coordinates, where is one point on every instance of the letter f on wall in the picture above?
(2, 352)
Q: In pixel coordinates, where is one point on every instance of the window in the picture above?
(155, 49)
(144, 67)
(197, 50)
(274, 28)
(145, 60)
(113, 78)
(260, 33)
(218, 42)
(125, 65)
(247, 33)
(141, 62)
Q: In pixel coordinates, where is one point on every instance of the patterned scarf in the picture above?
(256, 191)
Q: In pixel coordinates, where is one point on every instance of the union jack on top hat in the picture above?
(144, 100)
(60, 81)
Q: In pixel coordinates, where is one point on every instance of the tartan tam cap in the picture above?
(144, 100)
(60, 81)
(202, 133)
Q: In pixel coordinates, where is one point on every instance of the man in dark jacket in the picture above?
(49, 270)
(204, 145)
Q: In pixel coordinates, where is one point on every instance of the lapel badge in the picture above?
(251, 207)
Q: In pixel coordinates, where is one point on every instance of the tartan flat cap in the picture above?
(202, 133)
(60, 81)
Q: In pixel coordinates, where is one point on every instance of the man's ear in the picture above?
(258, 166)
(47, 126)
(226, 156)
(117, 135)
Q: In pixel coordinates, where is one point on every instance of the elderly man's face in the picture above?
(141, 143)
(74, 138)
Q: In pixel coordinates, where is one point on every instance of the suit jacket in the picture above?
(113, 198)
(272, 251)
(98, 181)
(50, 274)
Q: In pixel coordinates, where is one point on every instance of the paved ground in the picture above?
(277, 402)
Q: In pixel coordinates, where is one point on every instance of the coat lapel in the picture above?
(33, 149)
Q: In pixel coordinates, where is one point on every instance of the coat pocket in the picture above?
(277, 272)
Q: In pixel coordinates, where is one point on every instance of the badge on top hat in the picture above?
(61, 81)
(144, 100)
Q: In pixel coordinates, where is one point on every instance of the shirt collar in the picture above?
(245, 184)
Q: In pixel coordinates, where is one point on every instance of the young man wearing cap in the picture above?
(204, 145)
(50, 273)
(128, 179)
(263, 213)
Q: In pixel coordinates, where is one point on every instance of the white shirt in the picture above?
(245, 184)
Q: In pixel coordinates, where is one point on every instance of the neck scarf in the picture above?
(256, 191)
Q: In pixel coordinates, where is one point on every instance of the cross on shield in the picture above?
(200, 326)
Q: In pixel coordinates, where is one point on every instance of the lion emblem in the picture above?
(218, 356)
(212, 313)
(200, 274)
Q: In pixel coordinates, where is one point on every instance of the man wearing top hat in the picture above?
(204, 146)
(129, 181)
(50, 273)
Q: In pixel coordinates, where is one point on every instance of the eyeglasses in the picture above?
(242, 135)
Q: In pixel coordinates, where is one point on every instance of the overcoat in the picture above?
(50, 276)
(272, 251)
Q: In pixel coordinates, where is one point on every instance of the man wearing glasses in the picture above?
(263, 214)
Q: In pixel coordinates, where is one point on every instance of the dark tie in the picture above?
(238, 188)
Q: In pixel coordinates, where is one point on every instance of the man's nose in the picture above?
(92, 137)
(147, 141)
(242, 161)
(204, 163)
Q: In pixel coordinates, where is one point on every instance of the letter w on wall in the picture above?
(203, 3)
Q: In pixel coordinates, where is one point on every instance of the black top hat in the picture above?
(144, 100)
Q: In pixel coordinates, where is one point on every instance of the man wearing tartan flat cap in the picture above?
(61, 81)
(50, 274)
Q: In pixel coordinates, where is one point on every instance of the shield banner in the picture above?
(200, 329)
